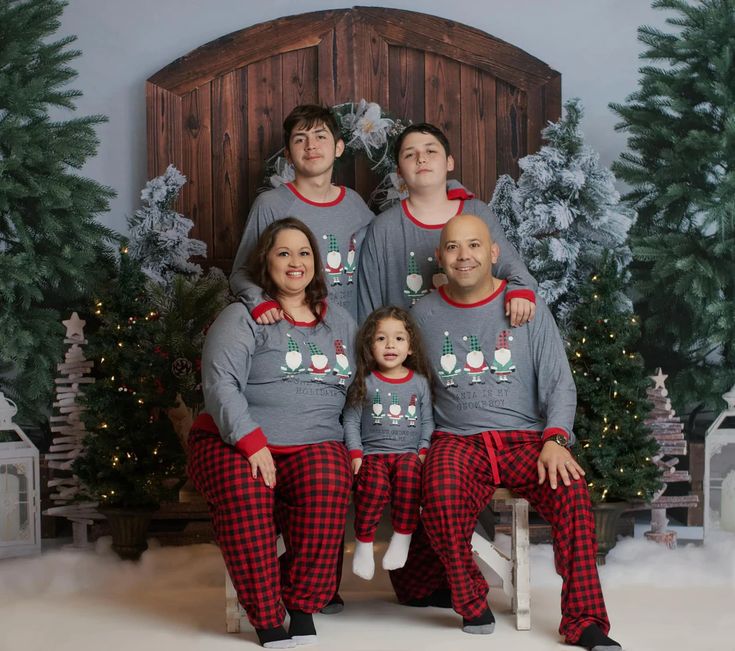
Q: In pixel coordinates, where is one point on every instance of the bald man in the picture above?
(504, 410)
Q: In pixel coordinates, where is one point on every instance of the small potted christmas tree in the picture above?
(132, 458)
(614, 445)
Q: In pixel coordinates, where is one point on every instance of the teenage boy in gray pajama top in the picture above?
(398, 265)
(336, 215)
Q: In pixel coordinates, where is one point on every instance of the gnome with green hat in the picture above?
(475, 365)
(341, 363)
(448, 363)
(351, 262)
(334, 266)
(414, 280)
(293, 359)
(378, 413)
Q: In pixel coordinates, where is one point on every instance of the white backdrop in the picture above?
(592, 43)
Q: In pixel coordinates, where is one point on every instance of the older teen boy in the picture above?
(398, 265)
(336, 215)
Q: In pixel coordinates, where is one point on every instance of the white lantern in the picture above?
(20, 514)
(719, 473)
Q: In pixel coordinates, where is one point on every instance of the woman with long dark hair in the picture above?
(269, 453)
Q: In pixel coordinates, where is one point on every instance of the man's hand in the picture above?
(270, 317)
(262, 461)
(356, 465)
(556, 461)
(520, 311)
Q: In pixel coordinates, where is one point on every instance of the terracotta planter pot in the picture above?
(129, 528)
(607, 515)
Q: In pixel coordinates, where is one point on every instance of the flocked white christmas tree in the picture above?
(159, 235)
(563, 213)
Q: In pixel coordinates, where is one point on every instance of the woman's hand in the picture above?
(262, 461)
(520, 311)
(422, 458)
(557, 460)
(356, 465)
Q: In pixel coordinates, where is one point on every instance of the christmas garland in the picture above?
(367, 131)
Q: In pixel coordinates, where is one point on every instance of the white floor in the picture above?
(658, 600)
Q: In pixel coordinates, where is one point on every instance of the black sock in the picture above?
(336, 605)
(440, 598)
(275, 634)
(483, 619)
(593, 638)
(301, 623)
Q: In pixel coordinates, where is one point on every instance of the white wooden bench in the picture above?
(513, 570)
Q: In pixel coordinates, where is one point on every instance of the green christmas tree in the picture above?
(614, 446)
(52, 249)
(132, 456)
(681, 167)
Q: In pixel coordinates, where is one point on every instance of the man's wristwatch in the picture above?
(560, 439)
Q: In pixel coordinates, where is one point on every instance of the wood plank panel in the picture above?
(536, 122)
(230, 165)
(552, 99)
(478, 117)
(511, 128)
(163, 123)
(371, 84)
(325, 77)
(197, 161)
(342, 69)
(442, 102)
(406, 84)
(299, 70)
(243, 47)
(264, 119)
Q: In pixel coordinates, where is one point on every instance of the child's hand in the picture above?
(356, 465)
(272, 316)
(422, 458)
(520, 311)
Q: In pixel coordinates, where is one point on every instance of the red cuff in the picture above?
(205, 423)
(528, 294)
(553, 431)
(258, 310)
(355, 454)
(252, 442)
(423, 451)
(459, 193)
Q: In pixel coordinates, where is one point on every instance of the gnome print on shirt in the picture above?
(439, 278)
(394, 409)
(351, 262)
(319, 363)
(448, 363)
(411, 411)
(414, 281)
(293, 360)
(342, 364)
(502, 365)
(334, 266)
(475, 365)
(378, 414)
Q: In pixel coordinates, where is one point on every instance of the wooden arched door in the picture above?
(217, 112)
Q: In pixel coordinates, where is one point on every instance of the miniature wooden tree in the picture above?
(668, 430)
(69, 432)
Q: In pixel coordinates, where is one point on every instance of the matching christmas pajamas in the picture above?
(281, 386)
(391, 431)
(524, 389)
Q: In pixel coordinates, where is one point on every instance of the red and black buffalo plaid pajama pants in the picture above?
(461, 474)
(308, 506)
(383, 477)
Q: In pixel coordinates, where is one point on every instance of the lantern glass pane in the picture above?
(722, 488)
(15, 511)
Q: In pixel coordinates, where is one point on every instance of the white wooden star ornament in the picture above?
(74, 327)
(658, 379)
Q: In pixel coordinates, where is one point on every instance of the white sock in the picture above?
(397, 553)
(363, 563)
